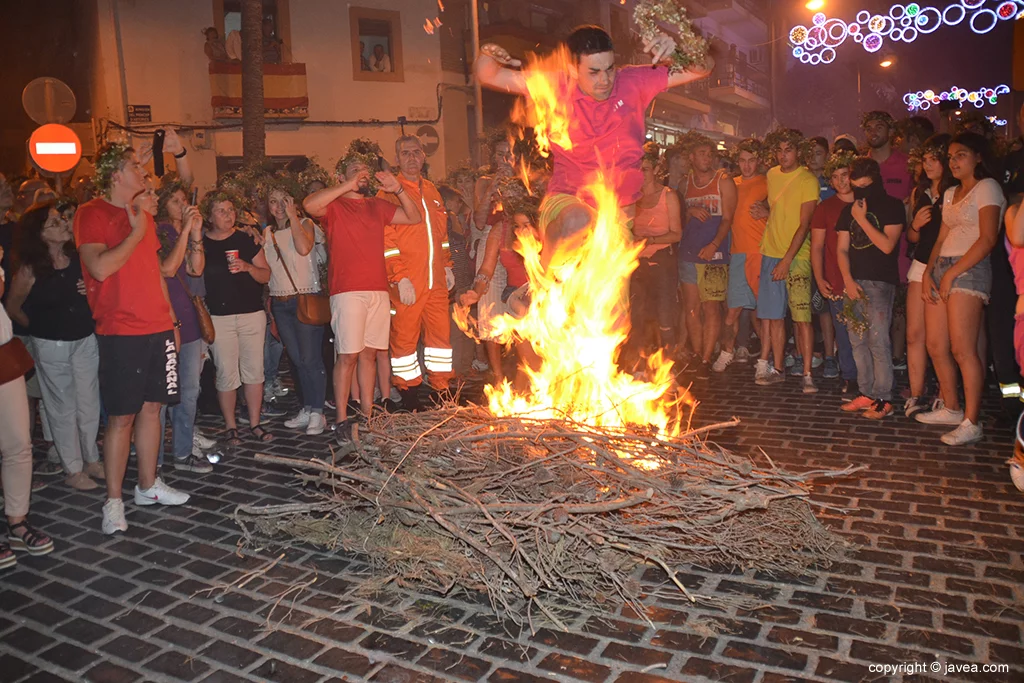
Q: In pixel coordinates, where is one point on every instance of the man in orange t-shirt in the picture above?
(136, 330)
(748, 226)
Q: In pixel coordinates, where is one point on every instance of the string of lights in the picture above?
(924, 99)
(817, 43)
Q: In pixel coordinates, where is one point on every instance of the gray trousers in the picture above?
(69, 379)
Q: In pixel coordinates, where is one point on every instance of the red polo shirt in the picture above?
(608, 133)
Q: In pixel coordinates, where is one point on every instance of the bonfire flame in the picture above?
(577, 318)
(576, 322)
(546, 109)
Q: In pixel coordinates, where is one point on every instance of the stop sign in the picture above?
(55, 148)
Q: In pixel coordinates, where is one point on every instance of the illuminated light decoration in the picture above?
(996, 121)
(924, 99)
(901, 23)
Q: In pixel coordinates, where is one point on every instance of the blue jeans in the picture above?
(272, 350)
(302, 342)
(847, 366)
(872, 350)
(183, 415)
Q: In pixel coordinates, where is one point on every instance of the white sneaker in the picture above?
(300, 421)
(760, 370)
(742, 355)
(724, 360)
(316, 424)
(967, 432)
(160, 493)
(277, 389)
(113, 516)
(808, 385)
(201, 441)
(940, 415)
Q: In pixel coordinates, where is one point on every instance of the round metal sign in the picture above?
(48, 100)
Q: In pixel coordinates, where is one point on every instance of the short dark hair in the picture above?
(864, 167)
(407, 138)
(980, 145)
(820, 142)
(588, 40)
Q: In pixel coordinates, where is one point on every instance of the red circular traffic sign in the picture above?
(55, 148)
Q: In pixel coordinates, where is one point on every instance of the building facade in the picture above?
(333, 72)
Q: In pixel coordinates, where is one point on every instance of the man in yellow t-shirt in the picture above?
(785, 260)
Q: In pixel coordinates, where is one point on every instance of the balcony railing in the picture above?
(740, 75)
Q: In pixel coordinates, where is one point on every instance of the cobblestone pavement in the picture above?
(937, 574)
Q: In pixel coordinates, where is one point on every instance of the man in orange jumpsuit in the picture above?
(420, 272)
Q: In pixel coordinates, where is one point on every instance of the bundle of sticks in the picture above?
(538, 513)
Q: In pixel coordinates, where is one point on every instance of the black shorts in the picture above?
(136, 370)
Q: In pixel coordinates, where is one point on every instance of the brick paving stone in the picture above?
(27, 640)
(69, 656)
(399, 647)
(572, 642)
(178, 665)
(567, 665)
(507, 650)
(717, 671)
(393, 673)
(131, 649)
(106, 672)
(455, 664)
(345, 661)
(276, 670)
(636, 656)
(767, 656)
(231, 655)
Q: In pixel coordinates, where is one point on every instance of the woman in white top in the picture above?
(958, 279)
(291, 245)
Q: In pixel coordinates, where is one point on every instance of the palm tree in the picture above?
(253, 123)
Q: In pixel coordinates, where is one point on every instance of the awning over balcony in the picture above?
(284, 90)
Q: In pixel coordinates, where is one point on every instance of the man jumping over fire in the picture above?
(606, 112)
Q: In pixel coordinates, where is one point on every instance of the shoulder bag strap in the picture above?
(280, 257)
(785, 187)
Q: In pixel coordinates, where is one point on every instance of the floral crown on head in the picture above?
(878, 115)
(108, 161)
(838, 161)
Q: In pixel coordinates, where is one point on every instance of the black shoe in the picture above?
(704, 370)
(850, 387)
(270, 410)
(193, 463)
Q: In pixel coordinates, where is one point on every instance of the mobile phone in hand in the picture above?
(195, 196)
(158, 153)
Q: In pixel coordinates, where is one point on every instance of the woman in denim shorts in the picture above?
(958, 279)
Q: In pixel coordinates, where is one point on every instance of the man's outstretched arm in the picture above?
(492, 70)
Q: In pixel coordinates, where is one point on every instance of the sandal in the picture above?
(261, 434)
(33, 541)
(7, 557)
(231, 438)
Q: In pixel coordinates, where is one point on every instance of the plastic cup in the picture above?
(232, 255)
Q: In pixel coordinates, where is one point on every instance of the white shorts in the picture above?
(360, 320)
(916, 271)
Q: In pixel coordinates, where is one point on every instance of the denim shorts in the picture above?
(977, 281)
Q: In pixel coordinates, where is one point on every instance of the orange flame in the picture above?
(546, 109)
(428, 27)
(524, 174)
(576, 322)
(440, 5)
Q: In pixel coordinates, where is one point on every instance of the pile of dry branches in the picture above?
(538, 512)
